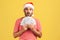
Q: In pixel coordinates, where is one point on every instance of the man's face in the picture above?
(28, 11)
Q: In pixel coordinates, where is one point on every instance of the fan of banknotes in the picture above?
(28, 20)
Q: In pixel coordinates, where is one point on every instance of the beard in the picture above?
(28, 14)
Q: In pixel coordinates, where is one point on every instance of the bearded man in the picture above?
(27, 27)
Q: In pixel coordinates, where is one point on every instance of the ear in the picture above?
(24, 10)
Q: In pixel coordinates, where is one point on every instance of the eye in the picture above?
(26, 9)
(31, 9)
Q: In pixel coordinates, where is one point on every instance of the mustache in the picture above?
(28, 12)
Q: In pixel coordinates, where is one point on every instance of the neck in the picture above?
(28, 16)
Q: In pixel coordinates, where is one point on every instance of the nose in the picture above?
(28, 10)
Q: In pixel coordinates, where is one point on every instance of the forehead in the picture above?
(28, 8)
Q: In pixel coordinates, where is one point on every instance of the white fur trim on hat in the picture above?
(29, 5)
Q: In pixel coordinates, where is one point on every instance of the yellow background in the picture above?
(47, 11)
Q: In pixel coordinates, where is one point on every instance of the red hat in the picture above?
(29, 4)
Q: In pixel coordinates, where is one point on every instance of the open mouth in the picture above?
(28, 13)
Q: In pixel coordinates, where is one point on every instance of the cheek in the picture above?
(31, 11)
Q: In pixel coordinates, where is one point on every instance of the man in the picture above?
(27, 32)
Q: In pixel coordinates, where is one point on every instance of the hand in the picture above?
(25, 27)
(30, 26)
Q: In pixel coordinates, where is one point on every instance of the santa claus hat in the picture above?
(29, 4)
